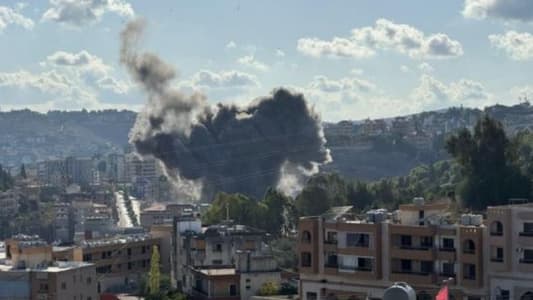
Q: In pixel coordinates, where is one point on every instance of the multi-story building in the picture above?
(510, 251)
(79, 170)
(160, 213)
(358, 257)
(9, 202)
(120, 260)
(63, 224)
(220, 261)
(29, 272)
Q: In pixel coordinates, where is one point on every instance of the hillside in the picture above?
(368, 149)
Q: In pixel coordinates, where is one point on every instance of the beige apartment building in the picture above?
(510, 248)
(348, 256)
(29, 272)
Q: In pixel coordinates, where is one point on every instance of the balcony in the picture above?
(418, 248)
(443, 249)
(526, 260)
(496, 233)
(411, 272)
(496, 259)
(358, 268)
(447, 274)
(469, 251)
(331, 265)
(330, 242)
(526, 233)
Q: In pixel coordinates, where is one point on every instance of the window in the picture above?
(358, 240)
(448, 244)
(143, 250)
(497, 254)
(469, 247)
(129, 251)
(216, 261)
(311, 296)
(364, 264)
(331, 237)
(527, 256)
(405, 241)
(306, 259)
(63, 285)
(448, 269)
(406, 265)
(426, 242)
(130, 266)
(421, 217)
(331, 261)
(43, 287)
(87, 257)
(496, 228)
(233, 290)
(426, 267)
(89, 280)
(469, 271)
(217, 248)
(306, 237)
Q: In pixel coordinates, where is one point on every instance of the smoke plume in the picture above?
(277, 141)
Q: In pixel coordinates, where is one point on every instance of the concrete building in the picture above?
(120, 260)
(223, 261)
(358, 257)
(161, 213)
(29, 272)
(9, 202)
(510, 251)
(63, 224)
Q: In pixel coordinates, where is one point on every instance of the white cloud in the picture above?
(252, 62)
(82, 59)
(432, 93)
(88, 66)
(224, 79)
(384, 35)
(522, 92)
(9, 16)
(337, 47)
(231, 45)
(404, 69)
(349, 84)
(67, 93)
(521, 10)
(425, 67)
(82, 12)
(519, 46)
(280, 53)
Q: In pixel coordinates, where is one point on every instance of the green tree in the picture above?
(154, 277)
(23, 171)
(489, 167)
(268, 288)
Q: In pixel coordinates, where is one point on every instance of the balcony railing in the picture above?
(331, 265)
(419, 273)
(469, 277)
(330, 242)
(445, 249)
(446, 274)
(496, 259)
(526, 233)
(496, 233)
(418, 248)
(469, 251)
(526, 260)
(352, 268)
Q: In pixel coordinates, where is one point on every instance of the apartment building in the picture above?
(347, 256)
(224, 261)
(161, 213)
(120, 260)
(30, 272)
(510, 250)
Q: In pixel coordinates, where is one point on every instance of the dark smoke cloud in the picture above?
(274, 142)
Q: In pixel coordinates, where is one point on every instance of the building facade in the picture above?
(345, 256)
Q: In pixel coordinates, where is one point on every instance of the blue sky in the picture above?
(351, 59)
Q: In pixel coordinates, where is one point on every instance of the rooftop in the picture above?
(58, 266)
(116, 240)
(218, 272)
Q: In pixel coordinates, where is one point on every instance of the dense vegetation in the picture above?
(6, 181)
